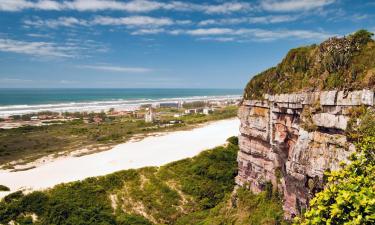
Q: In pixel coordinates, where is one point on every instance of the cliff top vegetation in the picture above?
(345, 63)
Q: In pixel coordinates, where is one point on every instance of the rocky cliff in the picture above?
(290, 140)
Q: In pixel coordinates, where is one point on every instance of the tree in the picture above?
(362, 36)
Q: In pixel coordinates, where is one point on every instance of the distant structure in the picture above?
(207, 111)
(150, 116)
(169, 105)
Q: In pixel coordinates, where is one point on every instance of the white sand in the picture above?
(151, 151)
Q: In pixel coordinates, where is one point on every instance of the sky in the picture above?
(161, 44)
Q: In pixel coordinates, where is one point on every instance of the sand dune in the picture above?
(151, 151)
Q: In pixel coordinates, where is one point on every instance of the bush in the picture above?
(338, 63)
(362, 36)
(349, 197)
(233, 140)
(4, 188)
(163, 194)
(128, 219)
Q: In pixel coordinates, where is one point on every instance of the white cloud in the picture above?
(130, 6)
(15, 5)
(68, 49)
(219, 39)
(293, 5)
(47, 5)
(131, 21)
(209, 31)
(55, 23)
(269, 35)
(148, 31)
(117, 68)
(46, 49)
(244, 34)
(251, 20)
(35, 35)
(227, 7)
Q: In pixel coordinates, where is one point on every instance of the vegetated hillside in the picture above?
(186, 190)
(338, 63)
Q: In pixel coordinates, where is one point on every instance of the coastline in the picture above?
(151, 151)
(20, 165)
(102, 105)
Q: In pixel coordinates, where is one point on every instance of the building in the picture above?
(169, 105)
(177, 115)
(194, 111)
(34, 118)
(190, 111)
(207, 111)
(150, 116)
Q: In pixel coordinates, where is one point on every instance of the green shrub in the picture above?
(164, 193)
(233, 140)
(362, 36)
(249, 209)
(128, 219)
(4, 188)
(349, 195)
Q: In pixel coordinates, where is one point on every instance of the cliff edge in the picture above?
(295, 118)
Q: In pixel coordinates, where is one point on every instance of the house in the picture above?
(194, 111)
(34, 118)
(207, 111)
(189, 111)
(150, 116)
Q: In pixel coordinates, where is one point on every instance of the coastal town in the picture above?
(162, 113)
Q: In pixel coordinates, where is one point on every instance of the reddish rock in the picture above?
(275, 148)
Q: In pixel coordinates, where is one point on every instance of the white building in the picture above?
(207, 111)
(150, 116)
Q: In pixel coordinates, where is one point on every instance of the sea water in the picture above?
(23, 101)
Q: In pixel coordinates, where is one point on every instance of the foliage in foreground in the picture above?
(144, 196)
(243, 208)
(349, 196)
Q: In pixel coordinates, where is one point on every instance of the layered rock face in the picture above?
(290, 140)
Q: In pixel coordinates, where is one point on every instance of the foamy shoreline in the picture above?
(104, 105)
(151, 151)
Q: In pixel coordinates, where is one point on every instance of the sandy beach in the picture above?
(151, 151)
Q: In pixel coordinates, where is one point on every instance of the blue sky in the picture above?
(161, 44)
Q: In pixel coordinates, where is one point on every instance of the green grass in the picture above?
(317, 67)
(30, 143)
(149, 195)
(243, 209)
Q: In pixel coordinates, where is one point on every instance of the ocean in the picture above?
(23, 101)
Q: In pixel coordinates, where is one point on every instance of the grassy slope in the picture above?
(339, 63)
(30, 143)
(194, 189)
(159, 194)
